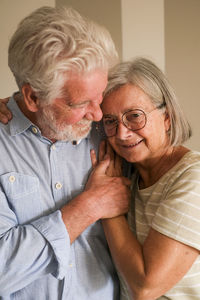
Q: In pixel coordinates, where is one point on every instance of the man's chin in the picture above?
(78, 137)
(73, 135)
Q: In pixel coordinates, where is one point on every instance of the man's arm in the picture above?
(42, 246)
(32, 250)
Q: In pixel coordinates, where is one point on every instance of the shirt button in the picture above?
(70, 265)
(12, 178)
(34, 129)
(58, 185)
(53, 147)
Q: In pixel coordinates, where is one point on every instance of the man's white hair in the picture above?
(51, 42)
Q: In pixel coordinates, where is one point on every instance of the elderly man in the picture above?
(52, 245)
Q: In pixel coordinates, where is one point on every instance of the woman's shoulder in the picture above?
(192, 155)
(186, 170)
(190, 158)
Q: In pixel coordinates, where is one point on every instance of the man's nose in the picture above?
(94, 113)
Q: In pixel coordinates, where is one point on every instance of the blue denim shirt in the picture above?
(37, 261)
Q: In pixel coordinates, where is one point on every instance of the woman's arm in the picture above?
(152, 269)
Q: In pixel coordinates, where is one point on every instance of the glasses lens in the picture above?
(134, 119)
(110, 125)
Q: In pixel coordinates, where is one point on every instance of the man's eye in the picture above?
(78, 105)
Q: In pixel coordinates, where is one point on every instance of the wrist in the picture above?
(91, 205)
(79, 213)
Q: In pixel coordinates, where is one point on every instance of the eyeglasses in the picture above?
(134, 119)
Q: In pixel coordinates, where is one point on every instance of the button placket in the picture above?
(12, 178)
(34, 130)
(58, 185)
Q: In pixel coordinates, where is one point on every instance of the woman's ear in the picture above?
(30, 99)
(167, 121)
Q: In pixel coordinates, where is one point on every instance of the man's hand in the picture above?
(111, 193)
(5, 114)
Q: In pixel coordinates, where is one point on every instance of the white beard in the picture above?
(54, 131)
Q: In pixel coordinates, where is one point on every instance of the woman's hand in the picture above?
(5, 114)
(114, 168)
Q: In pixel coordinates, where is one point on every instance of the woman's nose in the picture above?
(122, 132)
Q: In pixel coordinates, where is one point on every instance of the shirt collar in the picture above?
(19, 122)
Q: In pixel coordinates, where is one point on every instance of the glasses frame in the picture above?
(123, 122)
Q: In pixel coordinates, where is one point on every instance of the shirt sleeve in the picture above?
(178, 214)
(32, 250)
(52, 228)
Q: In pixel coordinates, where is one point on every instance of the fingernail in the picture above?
(106, 156)
(4, 120)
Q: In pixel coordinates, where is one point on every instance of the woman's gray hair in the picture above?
(51, 42)
(148, 77)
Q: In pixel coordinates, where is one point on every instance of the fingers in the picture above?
(118, 165)
(110, 151)
(5, 117)
(93, 158)
(5, 100)
(5, 114)
(111, 168)
(104, 162)
(102, 166)
(102, 150)
(115, 167)
(106, 149)
(126, 181)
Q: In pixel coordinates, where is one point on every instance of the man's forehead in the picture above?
(85, 86)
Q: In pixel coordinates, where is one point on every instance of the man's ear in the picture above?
(30, 99)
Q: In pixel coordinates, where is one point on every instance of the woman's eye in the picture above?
(134, 116)
(109, 122)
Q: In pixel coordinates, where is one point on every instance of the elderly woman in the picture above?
(156, 248)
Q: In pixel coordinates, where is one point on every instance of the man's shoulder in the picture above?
(4, 129)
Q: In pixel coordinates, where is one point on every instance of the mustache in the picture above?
(84, 122)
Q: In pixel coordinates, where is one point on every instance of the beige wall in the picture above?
(11, 12)
(143, 30)
(182, 40)
(105, 12)
(137, 26)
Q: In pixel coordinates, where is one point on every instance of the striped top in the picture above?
(172, 207)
